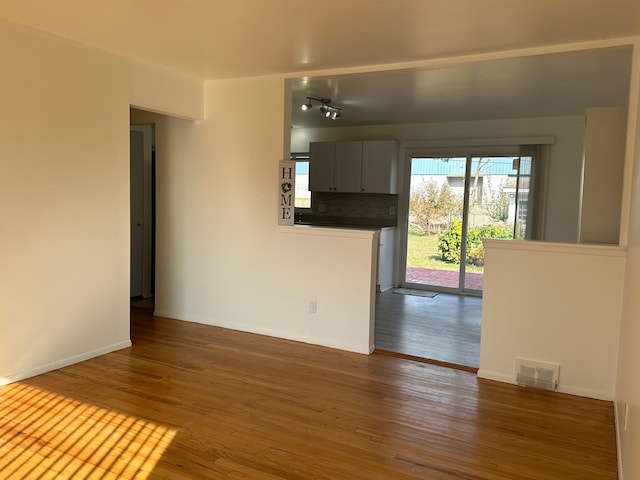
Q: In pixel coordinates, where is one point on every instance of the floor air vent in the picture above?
(537, 374)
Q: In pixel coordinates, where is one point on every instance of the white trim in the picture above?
(65, 362)
(495, 376)
(616, 416)
(585, 392)
(462, 59)
(632, 146)
(314, 230)
(550, 247)
(580, 392)
(479, 142)
(269, 332)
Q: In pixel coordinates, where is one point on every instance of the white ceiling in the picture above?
(211, 39)
(231, 38)
(534, 86)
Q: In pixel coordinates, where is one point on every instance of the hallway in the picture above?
(444, 328)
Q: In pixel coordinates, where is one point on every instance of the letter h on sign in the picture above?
(286, 192)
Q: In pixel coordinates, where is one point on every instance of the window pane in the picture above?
(303, 195)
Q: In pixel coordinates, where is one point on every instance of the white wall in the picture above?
(64, 235)
(64, 198)
(163, 91)
(221, 258)
(553, 303)
(602, 172)
(628, 379)
(565, 156)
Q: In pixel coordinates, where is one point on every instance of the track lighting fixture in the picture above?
(326, 109)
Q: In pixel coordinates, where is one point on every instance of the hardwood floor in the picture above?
(445, 328)
(189, 401)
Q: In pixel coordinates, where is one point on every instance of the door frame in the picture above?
(427, 151)
(148, 263)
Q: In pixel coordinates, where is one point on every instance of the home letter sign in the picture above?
(286, 192)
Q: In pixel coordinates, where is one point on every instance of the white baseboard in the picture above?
(616, 415)
(265, 331)
(585, 392)
(498, 377)
(48, 367)
(568, 389)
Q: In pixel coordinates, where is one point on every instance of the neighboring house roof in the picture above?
(497, 166)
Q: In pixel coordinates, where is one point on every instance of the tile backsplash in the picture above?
(375, 208)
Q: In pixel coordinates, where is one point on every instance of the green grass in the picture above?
(422, 252)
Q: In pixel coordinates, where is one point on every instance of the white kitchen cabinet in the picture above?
(348, 167)
(322, 166)
(379, 166)
(385, 258)
(368, 167)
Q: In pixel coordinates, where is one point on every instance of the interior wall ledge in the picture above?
(552, 247)
(318, 231)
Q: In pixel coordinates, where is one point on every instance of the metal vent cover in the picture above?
(530, 373)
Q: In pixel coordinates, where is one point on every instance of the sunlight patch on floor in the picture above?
(45, 436)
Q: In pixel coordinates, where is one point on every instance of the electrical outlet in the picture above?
(392, 210)
(313, 306)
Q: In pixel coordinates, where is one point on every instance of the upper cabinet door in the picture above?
(379, 166)
(322, 166)
(348, 166)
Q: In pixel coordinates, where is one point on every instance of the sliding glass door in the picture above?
(436, 204)
(455, 202)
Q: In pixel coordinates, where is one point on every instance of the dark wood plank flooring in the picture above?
(190, 401)
(445, 328)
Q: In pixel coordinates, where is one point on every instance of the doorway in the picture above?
(142, 213)
(454, 203)
(439, 328)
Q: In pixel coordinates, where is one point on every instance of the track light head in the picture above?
(308, 105)
(326, 109)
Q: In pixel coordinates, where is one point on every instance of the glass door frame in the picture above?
(403, 206)
(460, 289)
(465, 230)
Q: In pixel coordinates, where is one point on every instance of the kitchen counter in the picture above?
(344, 231)
(345, 224)
(334, 225)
